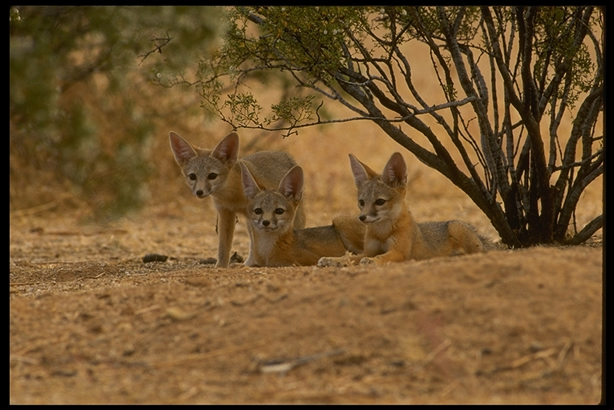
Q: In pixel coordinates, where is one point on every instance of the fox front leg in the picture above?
(226, 227)
(390, 256)
(251, 260)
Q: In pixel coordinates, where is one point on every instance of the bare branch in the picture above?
(576, 164)
(588, 231)
(157, 47)
(374, 72)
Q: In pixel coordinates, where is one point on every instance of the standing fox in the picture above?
(217, 173)
(271, 213)
(392, 234)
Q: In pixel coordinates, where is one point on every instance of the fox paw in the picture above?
(331, 262)
(367, 261)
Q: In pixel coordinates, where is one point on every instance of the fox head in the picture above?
(205, 171)
(273, 210)
(380, 197)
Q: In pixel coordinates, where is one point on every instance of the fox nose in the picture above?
(266, 223)
(362, 217)
(199, 193)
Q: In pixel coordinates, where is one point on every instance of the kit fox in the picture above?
(276, 242)
(216, 172)
(392, 234)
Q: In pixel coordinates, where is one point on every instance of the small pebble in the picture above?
(154, 257)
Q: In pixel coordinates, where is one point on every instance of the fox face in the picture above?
(273, 210)
(380, 197)
(270, 211)
(378, 202)
(205, 172)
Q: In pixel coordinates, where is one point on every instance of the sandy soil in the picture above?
(90, 322)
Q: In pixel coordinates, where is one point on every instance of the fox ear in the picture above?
(182, 150)
(291, 185)
(227, 150)
(395, 171)
(362, 173)
(250, 186)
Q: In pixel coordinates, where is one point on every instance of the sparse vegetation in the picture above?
(81, 112)
(509, 77)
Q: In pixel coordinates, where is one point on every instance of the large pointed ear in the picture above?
(362, 173)
(291, 185)
(250, 186)
(227, 150)
(395, 171)
(182, 150)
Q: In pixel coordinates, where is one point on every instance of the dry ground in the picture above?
(90, 322)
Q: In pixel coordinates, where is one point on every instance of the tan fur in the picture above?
(271, 212)
(392, 234)
(216, 173)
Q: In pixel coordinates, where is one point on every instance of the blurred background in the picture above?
(89, 123)
(85, 122)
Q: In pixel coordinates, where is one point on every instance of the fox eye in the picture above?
(192, 176)
(212, 175)
(279, 211)
(380, 201)
(258, 211)
(361, 203)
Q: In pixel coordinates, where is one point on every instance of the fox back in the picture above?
(449, 238)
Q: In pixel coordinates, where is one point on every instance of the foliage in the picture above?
(79, 108)
(509, 77)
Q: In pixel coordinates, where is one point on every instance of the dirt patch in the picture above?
(90, 322)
